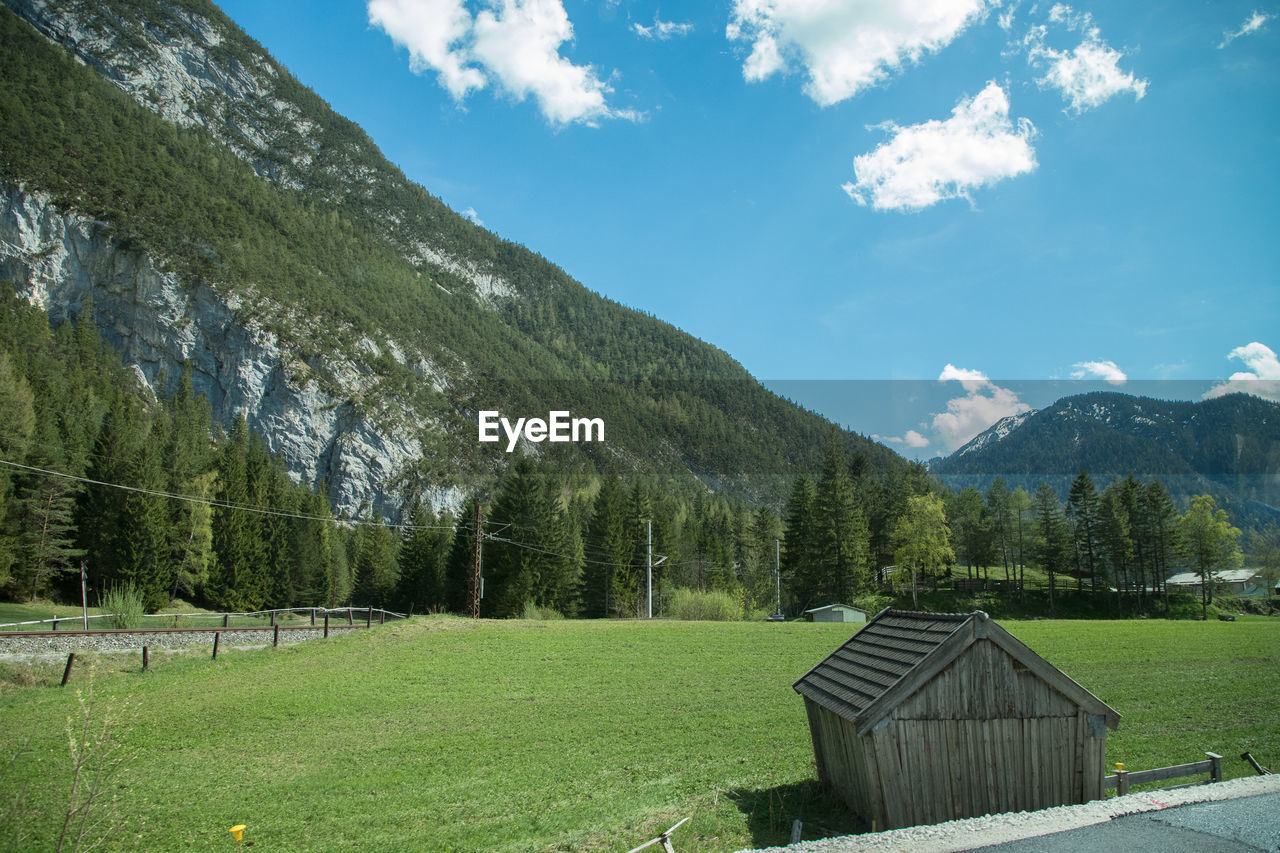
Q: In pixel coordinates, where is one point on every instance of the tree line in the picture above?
(146, 491)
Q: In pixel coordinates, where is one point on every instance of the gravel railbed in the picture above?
(967, 834)
(16, 645)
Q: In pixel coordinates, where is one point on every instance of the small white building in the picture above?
(836, 613)
(1233, 581)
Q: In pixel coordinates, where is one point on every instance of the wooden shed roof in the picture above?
(899, 650)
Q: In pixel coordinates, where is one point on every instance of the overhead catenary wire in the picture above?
(224, 504)
(705, 565)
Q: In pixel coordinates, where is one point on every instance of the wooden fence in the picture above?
(369, 615)
(1122, 779)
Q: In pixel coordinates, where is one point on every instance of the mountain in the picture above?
(157, 165)
(1229, 446)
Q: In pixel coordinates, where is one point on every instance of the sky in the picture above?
(915, 218)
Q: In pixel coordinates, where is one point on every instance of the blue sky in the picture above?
(851, 191)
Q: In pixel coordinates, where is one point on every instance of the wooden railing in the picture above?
(191, 620)
(1122, 779)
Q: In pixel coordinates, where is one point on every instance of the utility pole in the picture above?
(477, 581)
(84, 595)
(777, 573)
(648, 562)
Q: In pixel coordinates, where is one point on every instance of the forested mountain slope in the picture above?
(1228, 446)
(224, 218)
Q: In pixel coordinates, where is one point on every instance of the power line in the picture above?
(222, 504)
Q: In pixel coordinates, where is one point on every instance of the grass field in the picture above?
(443, 734)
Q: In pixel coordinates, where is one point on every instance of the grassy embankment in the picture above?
(441, 734)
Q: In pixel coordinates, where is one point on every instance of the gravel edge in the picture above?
(958, 835)
(16, 646)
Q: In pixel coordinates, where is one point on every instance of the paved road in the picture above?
(1244, 825)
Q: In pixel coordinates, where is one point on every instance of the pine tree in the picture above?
(1162, 520)
(970, 529)
(377, 568)
(1117, 543)
(458, 565)
(1083, 507)
(513, 568)
(143, 552)
(238, 581)
(1053, 548)
(842, 534)
(422, 555)
(800, 545)
(998, 508)
(607, 549)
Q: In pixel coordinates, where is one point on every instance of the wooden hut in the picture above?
(927, 717)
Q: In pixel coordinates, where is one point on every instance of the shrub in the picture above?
(712, 606)
(124, 603)
(542, 614)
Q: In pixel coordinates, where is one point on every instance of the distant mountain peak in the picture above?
(998, 431)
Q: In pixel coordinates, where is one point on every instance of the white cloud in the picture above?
(471, 214)
(1089, 74)
(983, 404)
(1255, 22)
(1262, 379)
(911, 439)
(662, 30)
(845, 47)
(1107, 370)
(926, 163)
(970, 380)
(435, 33)
(515, 43)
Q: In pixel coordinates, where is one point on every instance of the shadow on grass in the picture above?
(771, 811)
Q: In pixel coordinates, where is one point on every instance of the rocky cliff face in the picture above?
(305, 409)
(198, 69)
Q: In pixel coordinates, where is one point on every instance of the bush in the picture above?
(539, 614)
(124, 603)
(713, 606)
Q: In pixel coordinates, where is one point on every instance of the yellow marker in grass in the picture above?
(237, 832)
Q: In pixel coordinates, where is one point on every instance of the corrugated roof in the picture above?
(834, 606)
(874, 659)
(1228, 576)
(899, 650)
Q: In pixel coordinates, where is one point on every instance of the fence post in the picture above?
(66, 673)
(215, 644)
(275, 638)
(313, 617)
(1215, 766)
(55, 623)
(226, 620)
(368, 617)
(350, 619)
(1122, 780)
(382, 617)
(273, 618)
(146, 660)
(326, 624)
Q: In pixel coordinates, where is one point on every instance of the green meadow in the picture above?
(444, 734)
